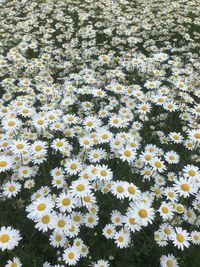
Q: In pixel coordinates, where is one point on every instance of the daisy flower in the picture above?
(9, 238)
(109, 231)
(6, 163)
(80, 188)
(195, 237)
(192, 172)
(65, 202)
(185, 187)
(127, 154)
(130, 222)
(122, 238)
(45, 222)
(168, 261)
(73, 166)
(91, 220)
(11, 189)
(166, 210)
(101, 263)
(14, 263)
(158, 164)
(172, 157)
(57, 239)
(96, 155)
(194, 135)
(132, 191)
(11, 124)
(180, 238)
(39, 207)
(176, 137)
(118, 189)
(71, 255)
(143, 214)
(104, 173)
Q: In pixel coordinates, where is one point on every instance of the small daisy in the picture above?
(195, 237)
(73, 166)
(180, 238)
(9, 238)
(6, 163)
(172, 157)
(14, 263)
(57, 239)
(143, 214)
(101, 263)
(122, 239)
(185, 187)
(71, 255)
(158, 164)
(11, 189)
(109, 231)
(80, 188)
(168, 261)
(65, 202)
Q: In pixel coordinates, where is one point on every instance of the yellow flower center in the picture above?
(180, 238)
(11, 123)
(76, 218)
(169, 263)
(73, 166)
(147, 157)
(86, 142)
(127, 153)
(80, 187)
(196, 238)
(4, 238)
(185, 187)
(132, 221)
(38, 148)
(105, 136)
(103, 173)
(71, 255)
(158, 164)
(197, 135)
(120, 238)
(3, 163)
(90, 123)
(40, 122)
(87, 199)
(192, 173)
(12, 188)
(165, 210)
(66, 201)
(131, 190)
(120, 189)
(46, 219)
(58, 237)
(59, 143)
(170, 194)
(72, 228)
(95, 155)
(61, 223)
(189, 214)
(109, 231)
(41, 207)
(167, 231)
(20, 146)
(90, 219)
(143, 213)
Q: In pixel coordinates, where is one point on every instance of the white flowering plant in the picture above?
(99, 133)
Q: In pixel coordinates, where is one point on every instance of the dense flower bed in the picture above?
(100, 135)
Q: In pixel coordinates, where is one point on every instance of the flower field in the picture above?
(99, 133)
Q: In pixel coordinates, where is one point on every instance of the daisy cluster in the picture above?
(100, 134)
